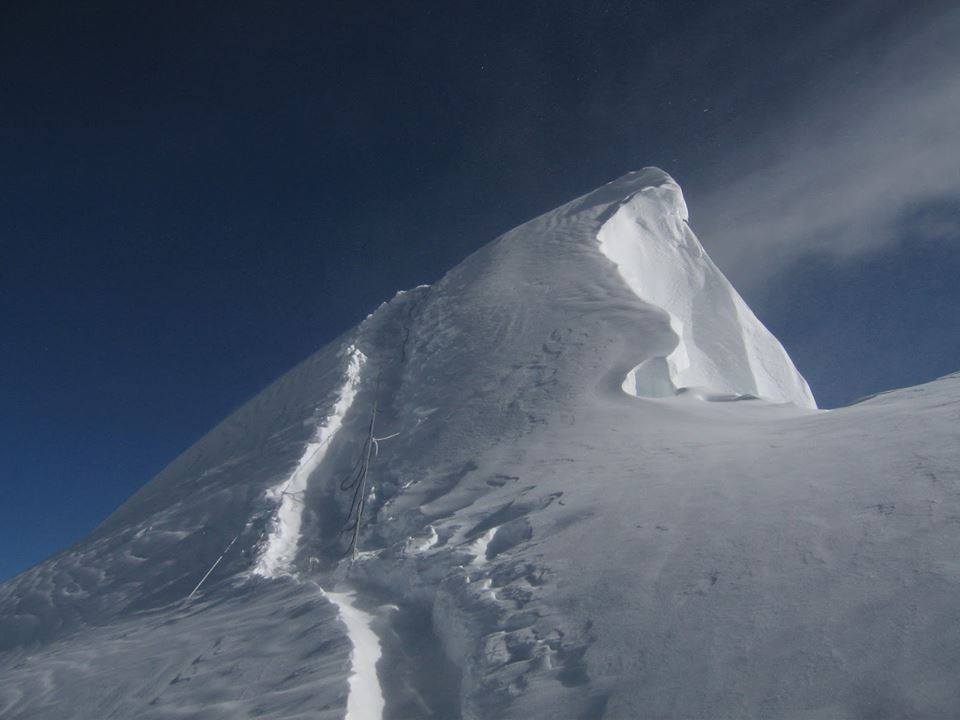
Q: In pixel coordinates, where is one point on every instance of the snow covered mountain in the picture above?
(592, 485)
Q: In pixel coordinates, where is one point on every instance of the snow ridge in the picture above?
(280, 547)
(365, 701)
(721, 345)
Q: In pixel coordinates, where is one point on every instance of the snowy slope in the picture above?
(537, 542)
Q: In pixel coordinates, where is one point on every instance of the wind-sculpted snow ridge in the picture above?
(281, 544)
(535, 542)
(721, 346)
(366, 697)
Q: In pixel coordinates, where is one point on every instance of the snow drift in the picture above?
(721, 346)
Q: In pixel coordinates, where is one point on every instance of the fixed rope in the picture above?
(356, 482)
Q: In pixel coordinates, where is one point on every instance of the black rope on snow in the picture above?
(297, 496)
(357, 482)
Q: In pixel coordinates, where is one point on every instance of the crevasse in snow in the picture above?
(281, 544)
(721, 345)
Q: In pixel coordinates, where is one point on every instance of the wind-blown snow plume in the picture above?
(281, 544)
(864, 157)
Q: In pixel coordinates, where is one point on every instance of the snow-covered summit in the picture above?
(535, 541)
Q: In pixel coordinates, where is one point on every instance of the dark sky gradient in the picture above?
(195, 196)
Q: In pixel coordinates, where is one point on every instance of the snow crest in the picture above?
(721, 345)
(365, 701)
(280, 547)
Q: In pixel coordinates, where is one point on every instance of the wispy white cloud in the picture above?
(860, 156)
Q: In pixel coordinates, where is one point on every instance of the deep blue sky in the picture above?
(195, 196)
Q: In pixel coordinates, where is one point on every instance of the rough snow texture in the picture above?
(721, 346)
(641, 557)
(281, 543)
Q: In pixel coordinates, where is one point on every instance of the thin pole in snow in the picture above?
(214, 566)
